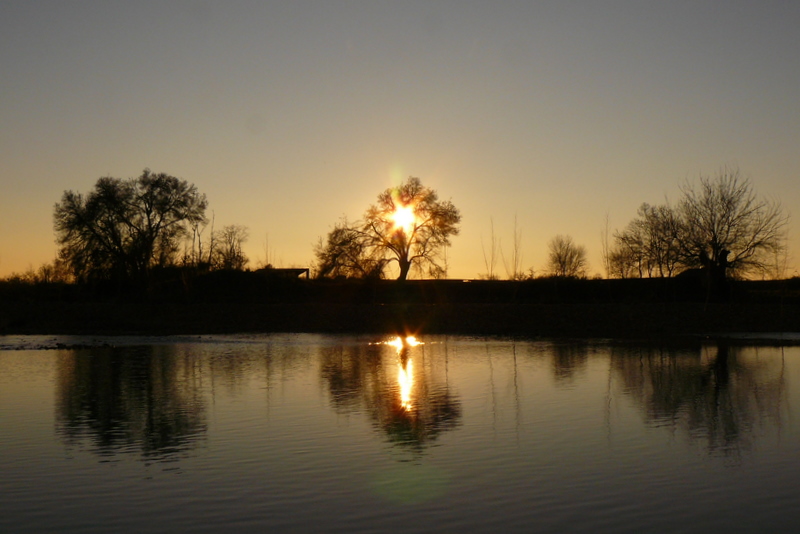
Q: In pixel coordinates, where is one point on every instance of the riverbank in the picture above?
(621, 309)
(580, 320)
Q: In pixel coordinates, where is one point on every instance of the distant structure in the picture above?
(288, 273)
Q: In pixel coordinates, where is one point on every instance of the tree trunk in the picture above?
(405, 266)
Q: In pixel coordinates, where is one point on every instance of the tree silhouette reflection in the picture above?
(569, 359)
(141, 398)
(718, 395)
(398, 385)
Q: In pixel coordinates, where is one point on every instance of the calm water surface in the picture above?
(340, 434)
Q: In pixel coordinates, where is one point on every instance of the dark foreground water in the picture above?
(332, 434)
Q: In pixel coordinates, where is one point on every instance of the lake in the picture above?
(290, 433)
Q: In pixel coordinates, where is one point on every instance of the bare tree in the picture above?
(727, 227)
(54, 272)
(663, 232)
(623, 262)
(408, 225)
(719, 225)
(650, 244)
(490, 259)
(411, 226)
(605, 247)
(566, 258)
(228, 253)
(268, 254)
(779, 265)
(514, 266)
(346, 253)
(194, 249)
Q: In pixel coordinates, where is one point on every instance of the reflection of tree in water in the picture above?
(367, 377)
(569, 359)
(720, 396)
(349, 372)
(147, 397)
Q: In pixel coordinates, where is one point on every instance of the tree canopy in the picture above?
(719, 224)
(123, 228)
(726, 226)
(650, 244)
(565, 258)
(408, 225)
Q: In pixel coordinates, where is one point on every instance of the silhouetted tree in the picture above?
(727, 227)
(55, 272)
(718, 226)
(345, 253)
(490, 259)
(125, 227)
(408, 225)
(565, 258)
(228, 253)
(514, 265)
(649, 245)
(196, 253)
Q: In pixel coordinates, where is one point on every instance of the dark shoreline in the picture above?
(618, 321)
(618, 309)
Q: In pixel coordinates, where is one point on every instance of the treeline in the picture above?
(141, 256)
(124, 231)
(719, 229)
(720, 226)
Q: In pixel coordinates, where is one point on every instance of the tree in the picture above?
(345, 254)
(228, 253)
(123, 228)
(566, 258)
(650, 244)
(408, 225)
(726, 227)
(622, 263)
(514, 266)
(491, 259)
(627, 258)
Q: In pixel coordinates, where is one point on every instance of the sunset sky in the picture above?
(288, 115)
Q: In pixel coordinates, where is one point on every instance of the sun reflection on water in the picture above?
(405, 368)
(401, 343)
(405, 377)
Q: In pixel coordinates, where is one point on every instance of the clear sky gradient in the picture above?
(289, 115)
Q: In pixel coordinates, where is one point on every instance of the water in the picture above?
(340, 434)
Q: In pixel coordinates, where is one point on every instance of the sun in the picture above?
(404, 218)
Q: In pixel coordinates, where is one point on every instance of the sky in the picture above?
(289, 115)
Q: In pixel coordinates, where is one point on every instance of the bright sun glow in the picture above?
(404, 218)
(399, 342)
